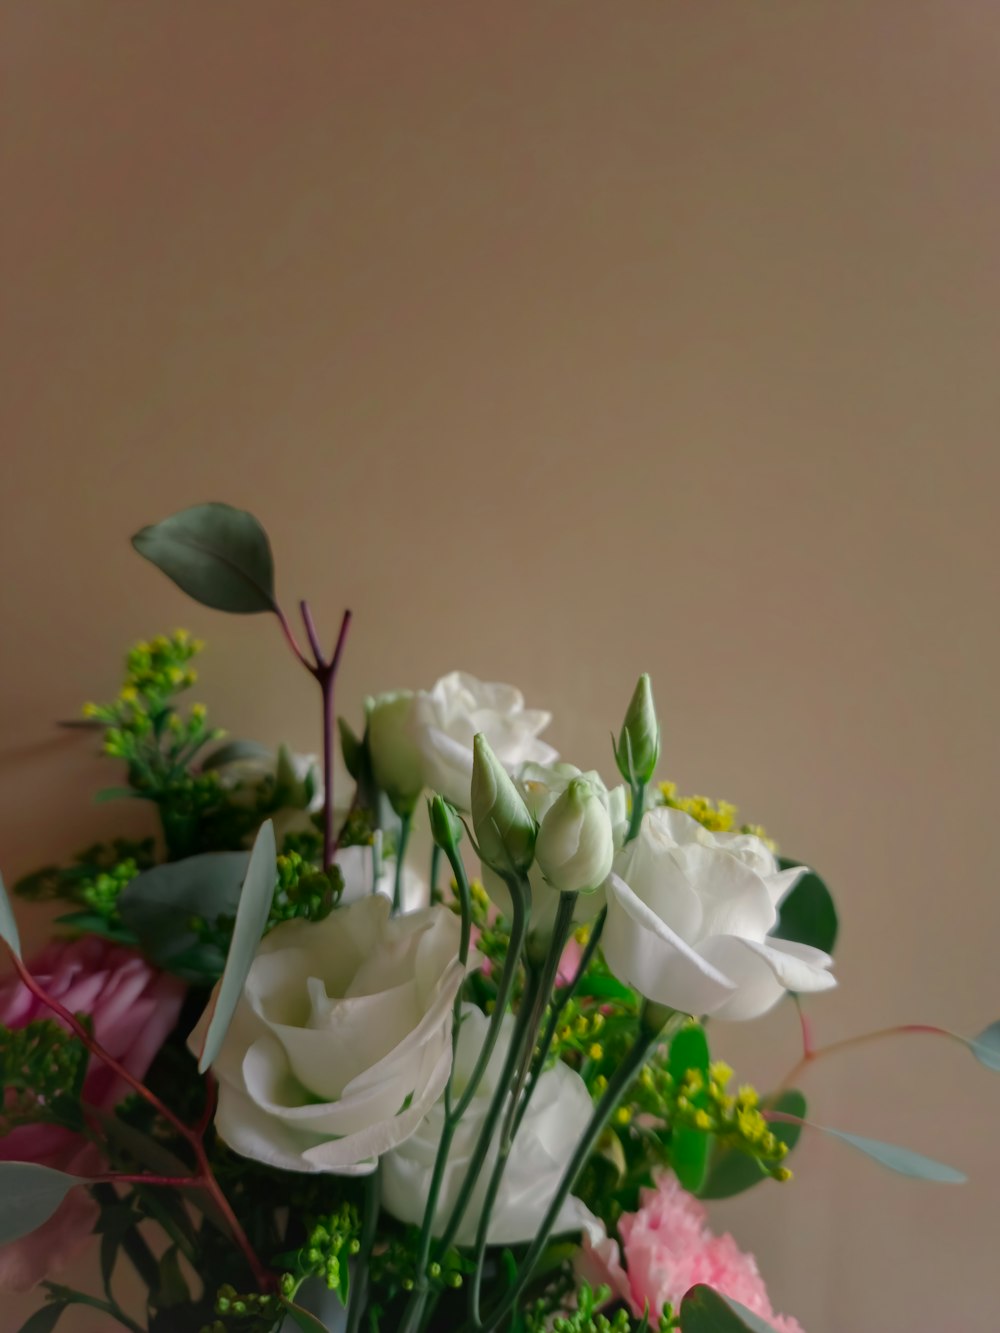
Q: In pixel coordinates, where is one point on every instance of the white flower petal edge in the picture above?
(341, 1042)
(555, 1121)
(689, 919)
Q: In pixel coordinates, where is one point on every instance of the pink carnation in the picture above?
(669, 1248)
(133, 1008)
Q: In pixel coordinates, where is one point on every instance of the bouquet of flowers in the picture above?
(433, 1058)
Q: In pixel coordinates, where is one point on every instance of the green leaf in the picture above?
(902, 1160)
(251, 917)
(690, 1148)
(807, 915)
(235, 752)
(173, 1289)
(732, 1172)
(29, 1195)
(605, 988)
(986, 1046)
(8, 923)
(45, 1319)
(218, 555)
(92, 923)
(303, 1318)
(159, 904)
(706, 1311)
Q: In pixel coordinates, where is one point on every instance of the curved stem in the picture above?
(619, 1084)
(405, 824)
(205, 1177)
(638, 802)
(846, 1043)
(359, 1287)
(290, 639)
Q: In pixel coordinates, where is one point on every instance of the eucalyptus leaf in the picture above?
(986, 1046)
(29, 1195)
(690, 1148)
(8, 923)
(251, 918)
(706, 1311)
(807, 915)
(732, 1172)
(303, 1318)
(901, 1160)
(159, 904)
(218, 555)
(236, 752)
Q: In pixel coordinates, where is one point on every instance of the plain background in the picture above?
(561, 341)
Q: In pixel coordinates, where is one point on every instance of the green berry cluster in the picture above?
(588, 1316)
(101, 892)
(249, 1313)
(303, 891)
(42, 1068)
(330, 1243)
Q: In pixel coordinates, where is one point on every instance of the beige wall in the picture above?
(561, 341)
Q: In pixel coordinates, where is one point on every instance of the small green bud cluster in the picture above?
(303, 891)
(101, 893)
(42, 1067)
(332, 1241)
(394, 1266)
(250, 1313)
(587, 1317)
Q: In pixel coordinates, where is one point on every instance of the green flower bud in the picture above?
(639, 743)
(397, 762)
(504, 827)
(575, 844)
(351, 749)
(446, 827)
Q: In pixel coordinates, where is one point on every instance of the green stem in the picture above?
(623, 1077)
(405, 824)
(360, 1283)
(435, 897)
(638, 802)
(559, 1003)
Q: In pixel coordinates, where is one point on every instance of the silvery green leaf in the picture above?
(704, 1310)
(29, 1195)
(986, 1046)
(8, 923)
(251, 918)
(902, 1160)
(218, 555)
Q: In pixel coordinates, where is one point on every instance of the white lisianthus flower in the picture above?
(394, 746)
(575, 845)
(341, 1041)
(541, 785)
(689, 916)
(457, 709)
(356, 864)
(553, 1124)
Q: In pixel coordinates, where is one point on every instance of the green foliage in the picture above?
(243, 1312)
(706, 1311)
(808, 915)
(73, 881)
(688, 1066)
(733, 1170)
(42, 1068)
(588, 1317)
(218, 555)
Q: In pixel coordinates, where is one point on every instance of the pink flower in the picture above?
(669, 1248)
(133, 1008)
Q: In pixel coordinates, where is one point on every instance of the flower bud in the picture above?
(351, 748)
(504, 827)
(639, 743)
(397, 763)
(446, 827)
(575, 844)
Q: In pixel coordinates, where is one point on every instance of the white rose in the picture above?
(455, 710)
(554, 1122)
(689, 916)
(341, 1042)
(356, 864)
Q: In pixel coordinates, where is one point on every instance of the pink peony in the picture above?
(133, 1008)
(669, 1248)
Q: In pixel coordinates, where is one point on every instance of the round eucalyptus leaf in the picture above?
(706, 1311)
(29, 1195)
(8, 923)
(808, 915)
(218, 555)
(986, 1046)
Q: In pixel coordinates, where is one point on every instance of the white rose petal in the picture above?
(553, 1124)
(689, 918)
(341, 1042)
